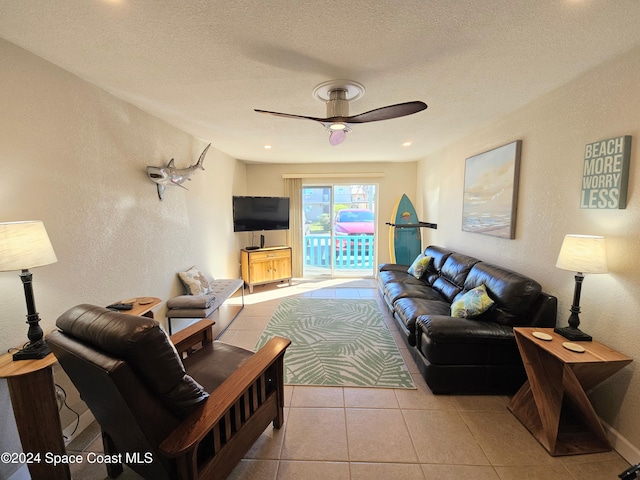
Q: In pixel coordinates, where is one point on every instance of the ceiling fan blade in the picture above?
(337, 137)
(289, 115)
(387, 113)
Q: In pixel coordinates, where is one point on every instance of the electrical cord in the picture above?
(64, 403)
(14, 349)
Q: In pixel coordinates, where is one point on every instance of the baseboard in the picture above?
(621, 445)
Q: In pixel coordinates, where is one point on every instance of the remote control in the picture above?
(120, 306)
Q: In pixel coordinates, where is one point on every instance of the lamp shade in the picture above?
(583, 253)
(24, 245)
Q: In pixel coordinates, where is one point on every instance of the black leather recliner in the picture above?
(180, 407)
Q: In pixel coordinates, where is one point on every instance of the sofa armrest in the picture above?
(445, 329)
(392, 267)
(544, 312)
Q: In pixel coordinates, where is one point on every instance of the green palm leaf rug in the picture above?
(336, 342)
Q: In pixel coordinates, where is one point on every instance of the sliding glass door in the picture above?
(339, 230)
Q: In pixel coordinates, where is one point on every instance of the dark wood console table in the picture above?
(33, 397)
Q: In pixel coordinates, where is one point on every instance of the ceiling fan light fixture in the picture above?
(337, 137)
(337, 126)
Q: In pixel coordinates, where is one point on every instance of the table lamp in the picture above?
(581, 254)
(25, 245)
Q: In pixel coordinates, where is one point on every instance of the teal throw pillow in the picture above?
(472, 303)
(419, 265)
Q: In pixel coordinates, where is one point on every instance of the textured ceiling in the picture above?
(203, 66)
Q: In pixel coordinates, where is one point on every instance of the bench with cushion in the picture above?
(204, 297)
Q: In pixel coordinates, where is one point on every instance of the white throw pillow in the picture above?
(195, 282)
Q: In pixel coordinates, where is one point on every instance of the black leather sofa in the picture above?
(476, 355)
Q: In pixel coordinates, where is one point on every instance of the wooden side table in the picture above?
(142, 306)
(34, 403)
(553, 403)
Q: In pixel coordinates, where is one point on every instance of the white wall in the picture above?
(74, 156)
(554, 130)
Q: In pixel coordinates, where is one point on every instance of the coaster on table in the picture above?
(542, 336)
(145, 301)
(574, 347)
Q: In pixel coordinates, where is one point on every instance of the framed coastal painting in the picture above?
(491, 191)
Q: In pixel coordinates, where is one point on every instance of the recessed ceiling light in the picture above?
(267, 147)
(407, 144)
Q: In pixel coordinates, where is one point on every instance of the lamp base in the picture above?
(33, 351)
(574, 334)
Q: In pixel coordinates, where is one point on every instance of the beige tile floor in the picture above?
(333, 433)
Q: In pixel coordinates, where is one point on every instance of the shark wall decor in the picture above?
(170, 175)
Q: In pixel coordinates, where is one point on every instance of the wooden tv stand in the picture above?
(266, 265)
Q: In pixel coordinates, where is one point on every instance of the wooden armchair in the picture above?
(184, 407)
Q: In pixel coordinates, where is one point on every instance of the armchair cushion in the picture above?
(143, 344)
(227, 359)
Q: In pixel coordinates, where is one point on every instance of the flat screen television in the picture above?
(252, 214)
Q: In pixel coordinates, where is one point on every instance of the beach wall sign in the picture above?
(605, 174)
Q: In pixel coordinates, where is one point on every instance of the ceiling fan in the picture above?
(337, 94)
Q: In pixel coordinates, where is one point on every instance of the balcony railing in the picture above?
(352, 251)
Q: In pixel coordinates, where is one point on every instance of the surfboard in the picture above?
(405, 243)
